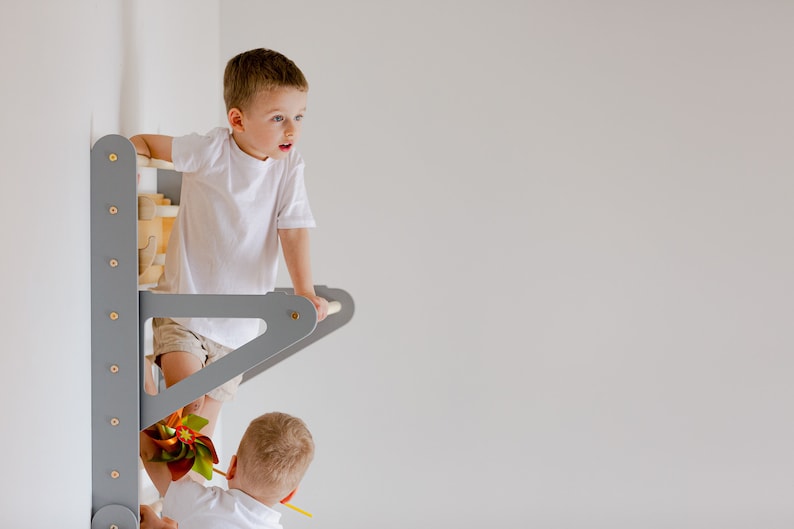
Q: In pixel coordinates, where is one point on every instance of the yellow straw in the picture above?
(297, 509)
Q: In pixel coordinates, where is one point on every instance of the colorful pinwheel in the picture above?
(183, 447)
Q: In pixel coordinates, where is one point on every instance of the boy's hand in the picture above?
(150, 520)
(321, 304)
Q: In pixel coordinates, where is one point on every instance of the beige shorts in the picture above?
(169, 336)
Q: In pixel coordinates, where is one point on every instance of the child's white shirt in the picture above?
(225, 237)
(195, 506)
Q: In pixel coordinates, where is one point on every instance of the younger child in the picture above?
(272, 458)
(243, 192)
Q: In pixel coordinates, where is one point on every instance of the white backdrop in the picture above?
(567, 230)
(566, 227)
(73, 72)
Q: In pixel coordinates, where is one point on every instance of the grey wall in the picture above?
(567, 230)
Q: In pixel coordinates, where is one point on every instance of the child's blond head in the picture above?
(255, 71)
(274, 454)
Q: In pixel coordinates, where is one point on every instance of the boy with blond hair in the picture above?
(272, 458)
(243, 193)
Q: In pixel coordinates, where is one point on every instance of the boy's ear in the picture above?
(235, 117)
(289, 496)
(232, 470)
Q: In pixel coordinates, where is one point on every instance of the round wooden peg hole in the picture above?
(114, 421)
(113, 263)
(295, 316)
(115, 474)
(114, 369)
(113, 157)
(114, 316)
(113, 210)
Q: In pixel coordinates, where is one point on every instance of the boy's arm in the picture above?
(295, 246)
(153, 146)
(158, 472)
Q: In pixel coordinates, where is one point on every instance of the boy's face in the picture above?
(271, 126)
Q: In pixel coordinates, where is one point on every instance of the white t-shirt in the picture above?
(194, 506)
(225, 239)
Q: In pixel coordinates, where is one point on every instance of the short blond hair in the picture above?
(274, 454)
(254, 71)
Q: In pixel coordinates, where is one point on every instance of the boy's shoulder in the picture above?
(194, 151)
(186, 497)
(213, 506)
(217, 134)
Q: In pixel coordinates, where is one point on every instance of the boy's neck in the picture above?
(268, 501)
(245, 150)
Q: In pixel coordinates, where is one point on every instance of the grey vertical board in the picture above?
(114, 516)
(114, 341)
(169, 183)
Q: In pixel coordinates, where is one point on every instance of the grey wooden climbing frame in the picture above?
(120, 408)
